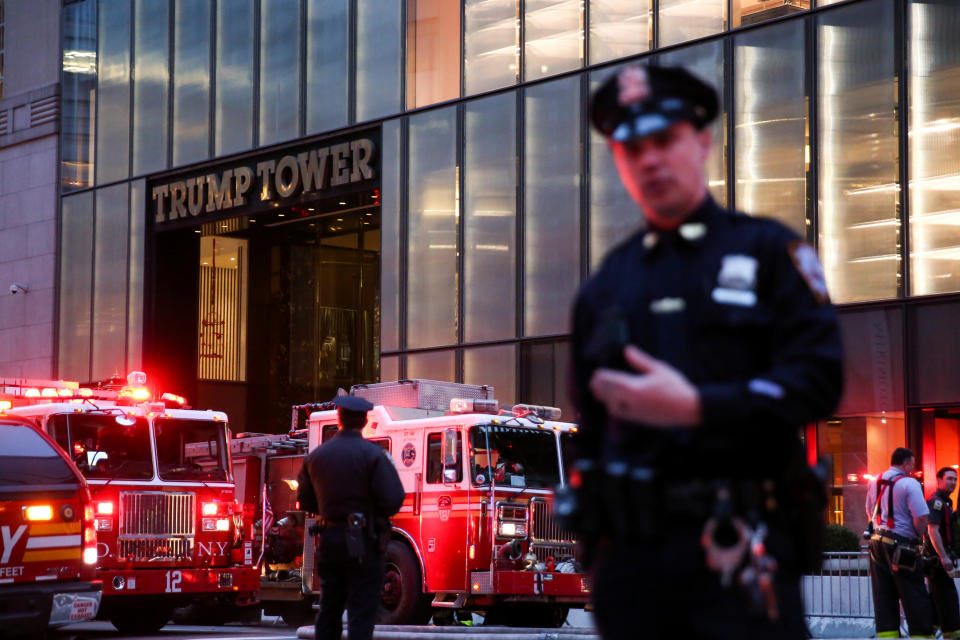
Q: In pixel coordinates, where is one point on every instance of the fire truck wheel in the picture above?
(402, 600)
(137, 620)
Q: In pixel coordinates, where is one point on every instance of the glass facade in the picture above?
(839, 119)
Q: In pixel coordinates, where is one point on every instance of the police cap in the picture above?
(353, 403)
(642, 100)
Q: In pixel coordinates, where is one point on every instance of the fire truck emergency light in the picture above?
(473, 405)
(39, 512)
(174, 398)
(6, 405)
(542, 412)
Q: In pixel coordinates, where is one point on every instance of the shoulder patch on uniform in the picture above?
(808, 264)
(938, 504)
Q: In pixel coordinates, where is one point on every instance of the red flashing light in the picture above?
(852, 477)
(48, 392)
(5, 405)
(32, 392)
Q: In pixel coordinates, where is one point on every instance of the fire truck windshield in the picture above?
(102, 448)
(518, 456)
(192, 450)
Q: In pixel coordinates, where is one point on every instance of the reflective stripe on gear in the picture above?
(888, 634)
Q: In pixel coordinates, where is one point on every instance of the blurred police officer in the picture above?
(938, 546)
(701, 345)
(354, 489)
(898, 512)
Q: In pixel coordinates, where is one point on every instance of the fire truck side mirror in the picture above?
(449, 448)
(450, 454)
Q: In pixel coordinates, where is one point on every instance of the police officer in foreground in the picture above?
(701, 346)
(898, 514)
(938, 547)
(354, 489)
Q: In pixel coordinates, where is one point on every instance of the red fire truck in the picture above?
(476, 532)
(169, 531)
(47, 539)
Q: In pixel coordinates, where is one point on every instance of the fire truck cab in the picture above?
(47, 538)
(477, 530)
(169, 531)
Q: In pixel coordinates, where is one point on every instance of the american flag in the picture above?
(266, 521)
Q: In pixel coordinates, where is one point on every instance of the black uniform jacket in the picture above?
(349, 474)
(738, 304)
(941, 514)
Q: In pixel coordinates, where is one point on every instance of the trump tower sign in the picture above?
(285, 177)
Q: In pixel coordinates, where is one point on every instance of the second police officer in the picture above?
(354, 489)
(938, 547)
(701, 346)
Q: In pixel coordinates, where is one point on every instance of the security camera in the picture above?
(16, 288)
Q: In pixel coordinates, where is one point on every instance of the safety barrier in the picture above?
(841, 588)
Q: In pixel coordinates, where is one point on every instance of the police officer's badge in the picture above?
(737, 281)
(808, 264)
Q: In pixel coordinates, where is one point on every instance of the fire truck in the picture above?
(48, 545)
(476, 532)
(169, 531)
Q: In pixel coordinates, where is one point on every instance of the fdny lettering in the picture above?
(11, 572)
(206, 548)
(290, 175)
(9, 540)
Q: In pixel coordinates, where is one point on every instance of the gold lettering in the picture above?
(178, 191)
(265, 170)
(286, 189)
(243, 177)
(313, 169)
(341, 173)
(362, 155)
(195, 195)
(218, 192)
(159, 194)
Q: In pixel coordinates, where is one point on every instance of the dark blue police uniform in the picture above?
(943, 590)
(355, 489)
(738, 305)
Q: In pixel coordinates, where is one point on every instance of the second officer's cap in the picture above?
(353, 403)
(641, 100)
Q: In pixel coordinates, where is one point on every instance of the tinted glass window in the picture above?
(26, 458)
(514, 456)
(190, 449)
(103, 448)
(435, 461)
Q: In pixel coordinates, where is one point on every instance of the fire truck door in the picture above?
(443, 516)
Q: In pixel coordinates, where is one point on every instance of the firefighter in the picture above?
(938, 547)
(898, 515)
(701, 346)
(354, 489)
